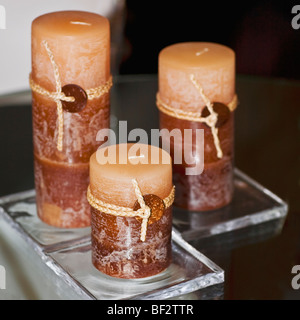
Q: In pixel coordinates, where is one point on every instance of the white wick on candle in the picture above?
(80, 22)
(198, 53)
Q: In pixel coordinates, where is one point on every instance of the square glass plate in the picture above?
(20, 209)
(189, 271)
(67, 252)
(252, 204)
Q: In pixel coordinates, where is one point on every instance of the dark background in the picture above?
(260, 32)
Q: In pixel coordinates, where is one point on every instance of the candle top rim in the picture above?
(133, 168)
(193, 55)
(70, 23)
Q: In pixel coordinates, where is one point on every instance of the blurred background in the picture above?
(260, 32)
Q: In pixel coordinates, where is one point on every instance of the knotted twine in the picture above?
(144, 212)
(211, 120)
(58, 96)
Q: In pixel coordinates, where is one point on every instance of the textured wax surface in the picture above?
(81, 51)
(112, 183)
(213, 66)
(118, 251)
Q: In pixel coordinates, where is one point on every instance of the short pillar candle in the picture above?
(128, 241)
(197, 91)
(70, 83)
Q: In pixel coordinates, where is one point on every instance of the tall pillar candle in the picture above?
(70, 83)
(197, 84)
(125, 242)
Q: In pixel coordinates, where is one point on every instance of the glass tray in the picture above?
(67, 252)
(252, 204)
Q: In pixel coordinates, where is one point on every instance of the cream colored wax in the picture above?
(112, 182)
(213, 66)
(80, 42)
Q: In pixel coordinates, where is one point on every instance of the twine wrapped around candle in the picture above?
(58, 96)
(211, 120)
(144, 212)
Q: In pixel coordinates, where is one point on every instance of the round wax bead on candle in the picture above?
(71, 54)
(212, 67)
(80, 96)
(117, 248)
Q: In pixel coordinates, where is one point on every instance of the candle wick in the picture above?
(198, 53)
(80, 22)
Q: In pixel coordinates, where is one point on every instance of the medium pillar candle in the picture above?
(117, 247)
(70, 58)
(184, 70)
